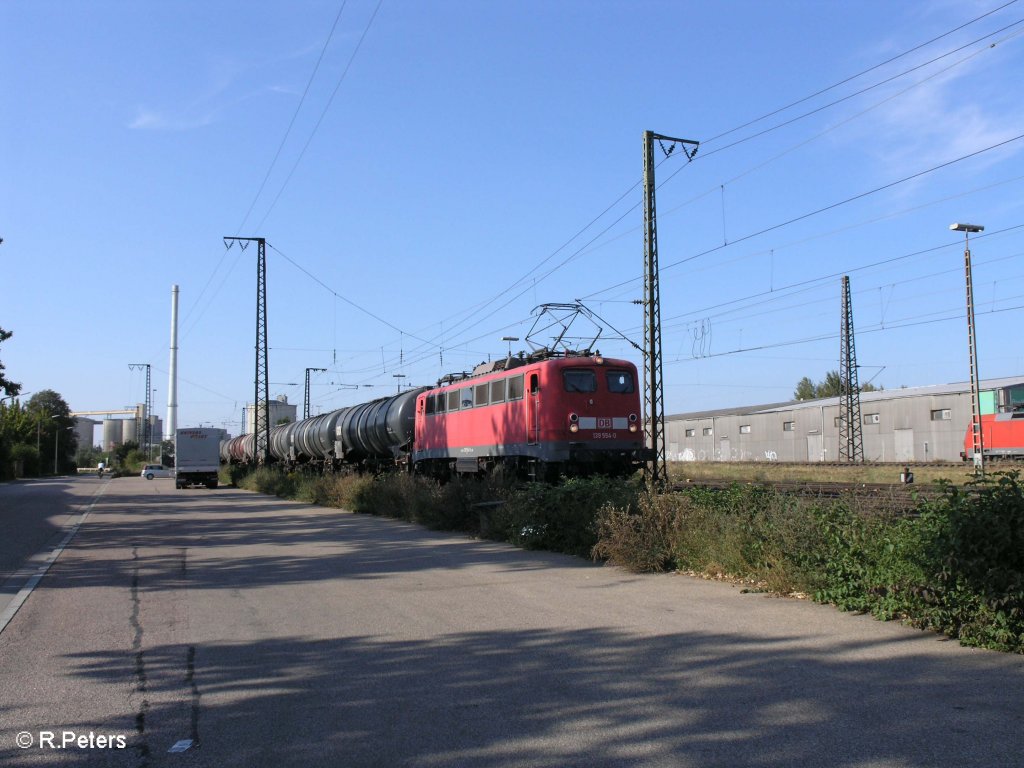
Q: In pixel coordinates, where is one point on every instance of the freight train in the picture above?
(540, 415)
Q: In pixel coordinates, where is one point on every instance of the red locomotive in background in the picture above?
(540, 415)
(1002, 436)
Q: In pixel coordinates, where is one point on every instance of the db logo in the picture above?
(604, 423)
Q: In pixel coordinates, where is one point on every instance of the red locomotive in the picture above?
(541, 415)
(1002, 436)
(1002, 424)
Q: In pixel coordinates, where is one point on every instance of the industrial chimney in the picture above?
(172, 376)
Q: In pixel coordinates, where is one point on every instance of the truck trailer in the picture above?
(196, 456)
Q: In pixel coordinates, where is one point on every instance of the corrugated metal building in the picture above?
(914, 424)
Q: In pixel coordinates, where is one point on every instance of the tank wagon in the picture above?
(369, 435)
(541, 416)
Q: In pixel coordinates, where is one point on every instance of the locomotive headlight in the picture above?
(599, 360)
(573, 418)
(632, 427)
(632, 418)
(574, 427)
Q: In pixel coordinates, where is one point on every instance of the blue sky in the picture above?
(452, 165)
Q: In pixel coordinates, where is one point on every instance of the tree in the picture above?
(51, 424)
(832, 386)
(805, 390)
(9, 387)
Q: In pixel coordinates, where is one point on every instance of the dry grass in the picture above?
(762, 471)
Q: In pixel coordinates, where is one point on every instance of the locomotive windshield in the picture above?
(620, 382)
(579, 380)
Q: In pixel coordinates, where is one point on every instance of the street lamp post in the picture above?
(510, 339)
(39, 431)
(977, 436)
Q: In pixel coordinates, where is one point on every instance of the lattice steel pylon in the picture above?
(851, 435)
(143, 425)
(305, 400)
(655, 471)
(261, 397)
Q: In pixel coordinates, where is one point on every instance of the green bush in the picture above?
(976, 563)
(561, 517)
(956, 565)
(640, 539)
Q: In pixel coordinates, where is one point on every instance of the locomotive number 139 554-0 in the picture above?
(605, 435)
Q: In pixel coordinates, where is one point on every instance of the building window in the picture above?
(788, 426)
(943, 414)
(691, 432)
(708, 432)
(744, 429)
(872, 418)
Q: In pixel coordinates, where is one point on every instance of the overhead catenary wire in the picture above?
(815, 212)
(295, 115)
(474, 311)
(851, 78)
(323, 114)
(453, 335)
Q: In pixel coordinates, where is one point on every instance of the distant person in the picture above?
(99, 468)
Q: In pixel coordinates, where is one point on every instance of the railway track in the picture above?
(893, 496)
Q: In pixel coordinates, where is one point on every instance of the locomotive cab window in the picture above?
(579, 380)
(430, 404)
(439, 404)
(620, 382)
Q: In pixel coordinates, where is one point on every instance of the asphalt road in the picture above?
(268, 633)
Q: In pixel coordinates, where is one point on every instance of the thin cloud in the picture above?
(150, 120)
(954, 113)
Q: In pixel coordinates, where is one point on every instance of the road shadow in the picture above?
(290, 542)
(568, 698)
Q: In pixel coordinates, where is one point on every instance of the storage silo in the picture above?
(112, 431)
(128, 431)
(84, 431)
(156, 429)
